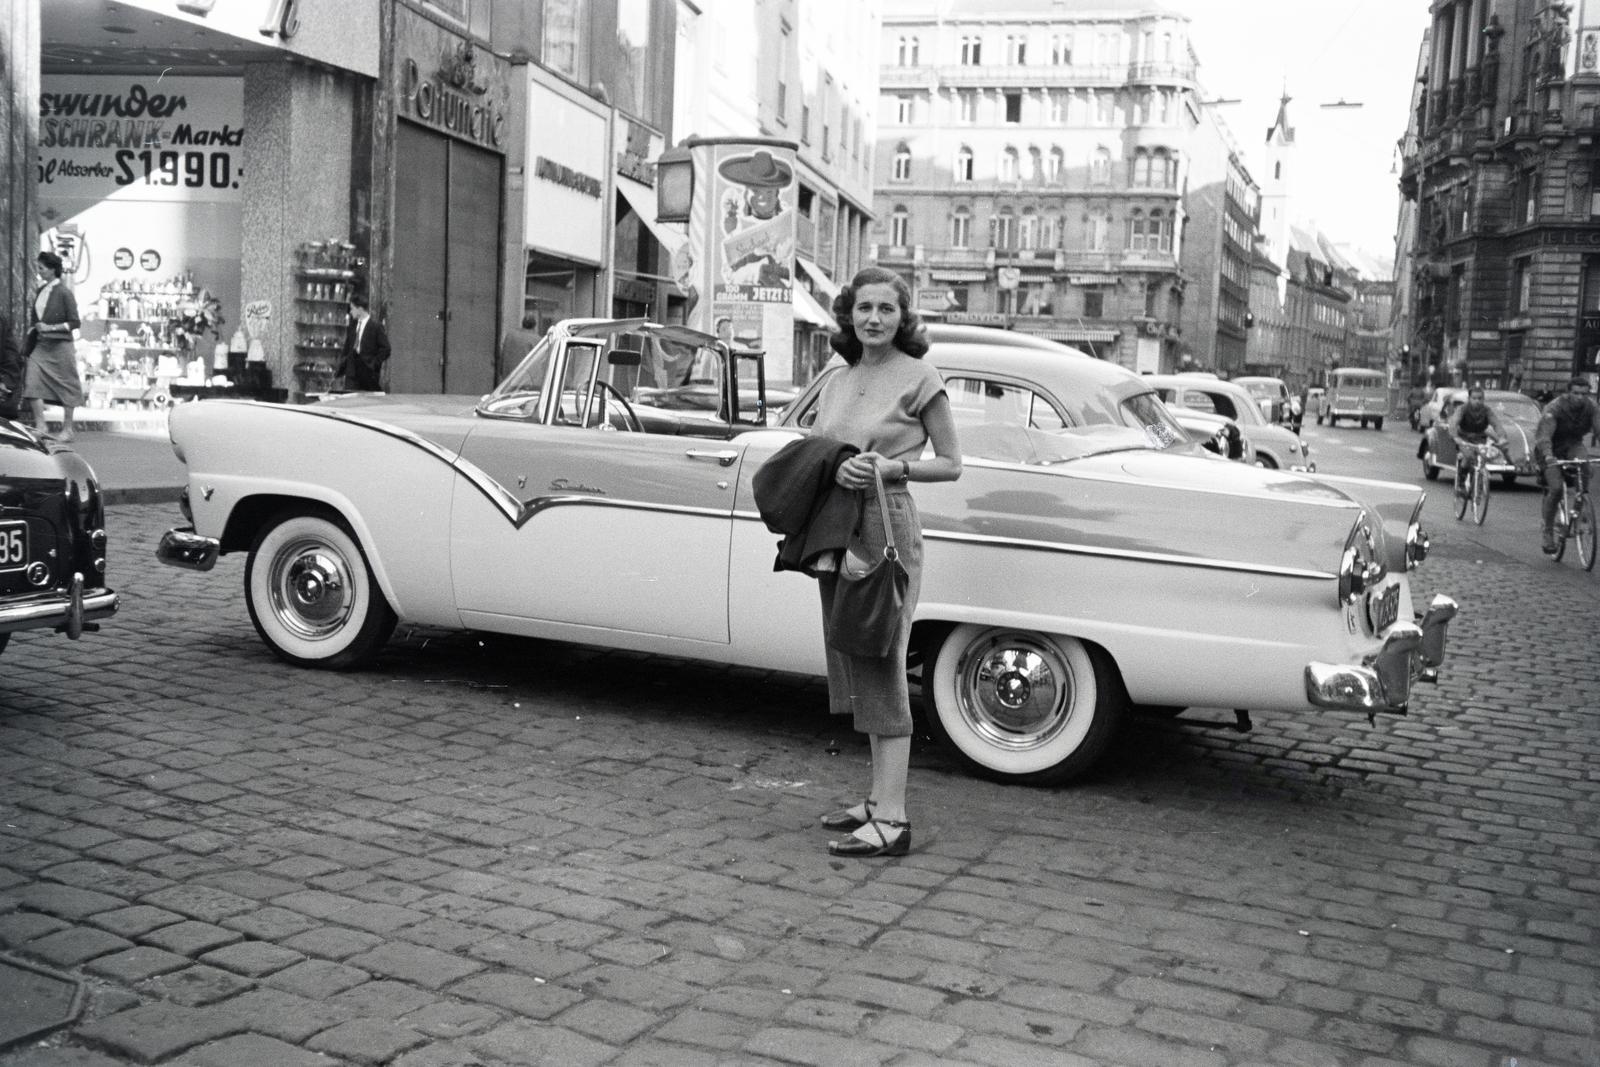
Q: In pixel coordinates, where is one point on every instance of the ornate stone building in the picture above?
(1501, 162)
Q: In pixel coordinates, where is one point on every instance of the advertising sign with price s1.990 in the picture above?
(141, 138)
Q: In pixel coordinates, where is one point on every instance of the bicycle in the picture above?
(1575, 512)
(1474, 490)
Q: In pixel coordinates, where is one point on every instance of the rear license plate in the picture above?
(1384, 608)
(13, 546)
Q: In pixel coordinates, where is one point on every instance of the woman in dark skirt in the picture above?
(53, 364)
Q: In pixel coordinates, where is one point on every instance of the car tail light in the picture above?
(1417, 541)
(1359, 565)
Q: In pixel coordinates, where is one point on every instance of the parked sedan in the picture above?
(1519, 418)
(1273, 445)
(1278, 405)
(1065, 569)
(52, 538)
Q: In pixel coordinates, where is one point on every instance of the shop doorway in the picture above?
(444, 312)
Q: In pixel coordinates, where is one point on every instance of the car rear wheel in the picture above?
(1022, 707)
(1264, 460)
(311, 594)
(1377, 424)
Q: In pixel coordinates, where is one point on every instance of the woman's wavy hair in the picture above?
(910, 338)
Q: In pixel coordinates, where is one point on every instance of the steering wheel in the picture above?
(630, 420)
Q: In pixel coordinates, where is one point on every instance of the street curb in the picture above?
(150, 494)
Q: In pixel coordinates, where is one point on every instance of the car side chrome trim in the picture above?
(1188, 487)
(1072, 549)
(534, 505)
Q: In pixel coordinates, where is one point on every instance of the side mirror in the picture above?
(621, 357)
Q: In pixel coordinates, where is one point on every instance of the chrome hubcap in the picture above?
(1015, 692)
(312, 591)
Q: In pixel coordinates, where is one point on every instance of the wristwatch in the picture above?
(905, 470)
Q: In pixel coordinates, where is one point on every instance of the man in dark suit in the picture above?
(366, 348)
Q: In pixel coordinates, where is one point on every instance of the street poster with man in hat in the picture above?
(751, 243)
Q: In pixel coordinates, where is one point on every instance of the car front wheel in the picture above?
(1022, 707)
(312, 596)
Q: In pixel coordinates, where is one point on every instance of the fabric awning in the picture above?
(641, 198)
(1076, 335)
(818, 275)
(807, 310)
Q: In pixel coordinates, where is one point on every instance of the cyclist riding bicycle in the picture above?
(1562, 427)
(1473, 424)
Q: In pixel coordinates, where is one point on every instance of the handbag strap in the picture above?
(890, 552)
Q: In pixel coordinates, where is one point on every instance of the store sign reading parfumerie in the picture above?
(160, 138)
(454, 98)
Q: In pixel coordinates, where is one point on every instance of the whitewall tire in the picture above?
(1017, 706)
(312, 596)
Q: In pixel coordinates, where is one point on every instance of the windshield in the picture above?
(1265, 390)
(986, 408)
(646, 369)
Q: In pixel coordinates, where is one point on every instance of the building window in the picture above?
(1061, 51)
(961, 228)
(1013, 107)
(1100, 166)
(967, 105)
(964, 164)
(1099, 231)
(908, 50)
(1003, 230)
(1028, 231)
(1094, 304)
(1166, 107)
(1105, 108)
(1016, 50)
(1035, 165)
(805, 123)
(971, 51)
(1008, 165)
(1058, 108)
(902, 164)
(1049, 231)
(1054, 165)
(900, 227)
(1171, 167)
(1136, 230)
(1146, 98)
(1522, 286)
(565, 43)
(903, 110)
(1159, 231)
(1141, 168)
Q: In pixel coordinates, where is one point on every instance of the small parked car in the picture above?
(1065, 572)
(1277, 403)
(52, 538)
(1519, 418)
(1274, 446)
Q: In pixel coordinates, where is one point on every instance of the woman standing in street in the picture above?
(53, 361)
(890, 404)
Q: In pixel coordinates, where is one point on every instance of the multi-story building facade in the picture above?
(1501, 162)
(1320, 293)
(1031, 162)
(1222, 205)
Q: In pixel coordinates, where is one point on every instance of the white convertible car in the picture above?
(1089, 560)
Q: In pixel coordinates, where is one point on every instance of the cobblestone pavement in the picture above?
(513, 852)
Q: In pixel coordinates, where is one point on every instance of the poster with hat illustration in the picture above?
(750, 241)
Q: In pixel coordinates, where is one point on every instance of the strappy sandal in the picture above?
(847, 819)
(864, 849)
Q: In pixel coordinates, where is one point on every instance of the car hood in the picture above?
(444, 420)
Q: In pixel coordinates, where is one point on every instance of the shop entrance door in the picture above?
(444, 317)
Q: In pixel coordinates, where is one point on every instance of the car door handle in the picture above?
(723, 458)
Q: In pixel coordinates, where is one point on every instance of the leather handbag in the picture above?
(869, 595)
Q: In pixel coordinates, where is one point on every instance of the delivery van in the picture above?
(1356, 393)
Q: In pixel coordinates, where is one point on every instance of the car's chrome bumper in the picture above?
(1308, 467)
(1410, 652)
(182, 547)
(65, 611)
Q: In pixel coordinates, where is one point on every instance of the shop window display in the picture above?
(325, 276)
(144, 336)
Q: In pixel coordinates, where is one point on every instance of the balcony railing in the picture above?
(1033, 77)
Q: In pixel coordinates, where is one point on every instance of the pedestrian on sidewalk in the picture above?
(889, 403)
(366, 349)
(52, 372)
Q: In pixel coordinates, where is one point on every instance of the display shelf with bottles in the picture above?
(326, 274)
(140, 312)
